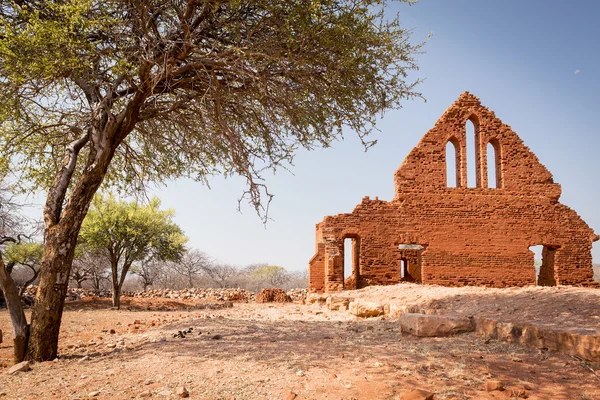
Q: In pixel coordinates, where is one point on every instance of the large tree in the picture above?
(126, 92)
(128, 233)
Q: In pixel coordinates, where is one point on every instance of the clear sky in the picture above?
(535, 63)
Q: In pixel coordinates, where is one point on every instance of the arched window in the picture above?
(473, 159)
(494, 168)
(452, 163)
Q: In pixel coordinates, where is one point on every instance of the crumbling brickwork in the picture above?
(455, 236)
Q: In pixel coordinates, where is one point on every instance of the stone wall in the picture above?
(460, 235)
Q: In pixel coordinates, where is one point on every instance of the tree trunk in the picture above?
(59, 249)
(116, 296)
(17, 316)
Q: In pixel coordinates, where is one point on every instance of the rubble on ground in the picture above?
(273, 295)
(216, 294)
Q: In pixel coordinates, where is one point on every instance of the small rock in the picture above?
(217, 337)
(363, 309)
(417, 395)
(291, 396)
(491, 386)
(111, 345)
(182, 392)
(20, 367)
(145, 394)
(93, 394)
(300, 373)
(148, 382)
(112, 331)
(84, 358)
(165, 393)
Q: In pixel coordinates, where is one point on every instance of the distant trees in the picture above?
(90, 266)
(128, 233)
(192, 265)
(148, 271)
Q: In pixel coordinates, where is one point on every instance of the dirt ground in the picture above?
(294, 351)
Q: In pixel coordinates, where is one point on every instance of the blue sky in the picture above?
(534, 63)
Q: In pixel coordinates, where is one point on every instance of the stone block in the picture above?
(434, 325)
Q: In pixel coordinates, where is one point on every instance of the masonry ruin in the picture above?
(438, 230)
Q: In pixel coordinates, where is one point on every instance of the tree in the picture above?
(127, 233)
(220, 274)
(79, 273)
(12, 224)
(91, 266)
(127, 92)
(192, 264)
(28, 255)
(148, 271)
(273, 274)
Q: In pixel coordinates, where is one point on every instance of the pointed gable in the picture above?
(518, 169)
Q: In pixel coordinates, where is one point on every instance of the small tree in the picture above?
(221, 274)
(130, 232)
(148, 271)
(25, 255)
(90, 266)
(274, 275)
(192, 264)
(12, 224)
(79, 273)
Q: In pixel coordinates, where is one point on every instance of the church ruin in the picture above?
(454, 236)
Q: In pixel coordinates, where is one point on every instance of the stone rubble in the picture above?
(224, 294)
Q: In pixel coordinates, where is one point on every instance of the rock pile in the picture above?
(298, 295)
(226, 294)
(273, 295)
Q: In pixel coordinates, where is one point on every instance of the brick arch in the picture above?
(475, 153)
(497, 162)
(458, 153)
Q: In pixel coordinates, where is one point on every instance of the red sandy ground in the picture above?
(287, 351)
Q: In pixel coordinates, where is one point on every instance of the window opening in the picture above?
(472, 156)
(491, 166)
(348, 248)
(452, 164)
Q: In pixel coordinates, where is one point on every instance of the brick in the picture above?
(456, 236)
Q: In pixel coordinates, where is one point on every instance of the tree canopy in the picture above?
(205, 87)
(129, 233)
(127, 92)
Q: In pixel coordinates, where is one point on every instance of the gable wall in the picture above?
(472, 236)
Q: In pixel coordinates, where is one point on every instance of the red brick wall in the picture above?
(472, 236)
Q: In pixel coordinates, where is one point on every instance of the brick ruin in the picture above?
(454, 236)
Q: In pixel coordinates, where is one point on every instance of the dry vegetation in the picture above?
(285, 351)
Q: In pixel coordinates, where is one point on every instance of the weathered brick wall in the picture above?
(471, 236)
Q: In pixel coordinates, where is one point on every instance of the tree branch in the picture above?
(58, 191)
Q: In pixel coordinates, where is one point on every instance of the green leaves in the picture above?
(24, 253)
(131, 232)
(182, 88)
(45, 41)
